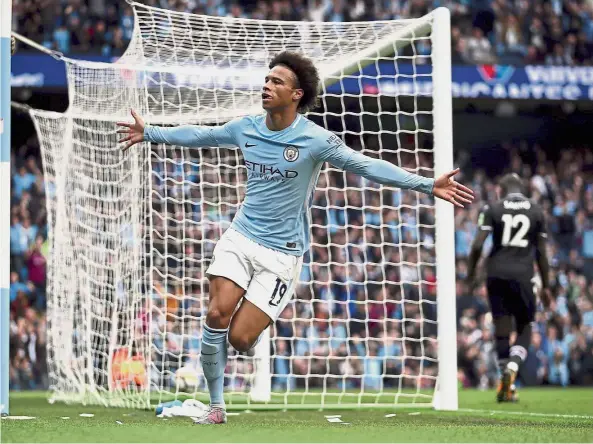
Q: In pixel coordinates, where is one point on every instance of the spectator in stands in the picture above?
(36, 271)
(553, 32)
(23, 181)
(478, 49)
(559, 56)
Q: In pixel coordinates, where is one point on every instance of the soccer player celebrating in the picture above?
(518, 230)
(257, 261)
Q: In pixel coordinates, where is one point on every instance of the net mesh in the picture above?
(133, 233)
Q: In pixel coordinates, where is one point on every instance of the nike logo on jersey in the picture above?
(249, 145)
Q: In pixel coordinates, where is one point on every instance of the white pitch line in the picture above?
(547, 415)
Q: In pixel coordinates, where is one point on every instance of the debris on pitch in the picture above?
(86, 415)
(190, 408)
(390, 415)
(119, 422)
(414, 413)
(65, 417)
(334, 420)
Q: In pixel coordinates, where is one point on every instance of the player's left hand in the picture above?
(446, 188)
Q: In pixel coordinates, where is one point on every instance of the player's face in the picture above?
(280, 89)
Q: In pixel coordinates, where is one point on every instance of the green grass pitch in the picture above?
(542, 415)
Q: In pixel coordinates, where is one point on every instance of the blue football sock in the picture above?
(213, 358)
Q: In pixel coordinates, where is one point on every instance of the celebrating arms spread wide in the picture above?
(444, 187)
(185, 135)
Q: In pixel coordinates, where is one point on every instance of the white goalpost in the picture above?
(372, 322)
(5, 196)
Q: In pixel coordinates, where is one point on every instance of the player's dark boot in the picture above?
(507, 391)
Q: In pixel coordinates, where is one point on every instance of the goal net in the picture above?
(373, 318)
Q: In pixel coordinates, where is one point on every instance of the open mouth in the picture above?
(266, 97)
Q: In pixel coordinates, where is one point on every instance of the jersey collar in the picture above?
(268, 132)
(516, 195)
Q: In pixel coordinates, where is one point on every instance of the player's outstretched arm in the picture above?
(444, 187)
(185, 135)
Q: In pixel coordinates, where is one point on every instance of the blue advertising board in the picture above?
(41, 71)
(494, 81)
(481, 81)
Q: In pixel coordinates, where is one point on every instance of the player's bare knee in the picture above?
(240, 341)
(216, 318)
(224, 298)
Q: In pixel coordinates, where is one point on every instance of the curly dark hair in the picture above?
(307, 77)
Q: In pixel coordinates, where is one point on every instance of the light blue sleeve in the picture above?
(194, 135)
(333, 150)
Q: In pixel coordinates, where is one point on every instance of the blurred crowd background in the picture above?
(554, 32)
(386, 339)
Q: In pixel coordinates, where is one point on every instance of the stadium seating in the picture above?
(501, 31)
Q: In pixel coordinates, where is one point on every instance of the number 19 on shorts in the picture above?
(278, 293)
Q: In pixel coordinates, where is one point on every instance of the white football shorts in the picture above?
(269, 277)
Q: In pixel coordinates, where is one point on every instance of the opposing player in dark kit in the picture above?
(519, 236)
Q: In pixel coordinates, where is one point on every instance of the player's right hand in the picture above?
(545, 295)
(134, 132)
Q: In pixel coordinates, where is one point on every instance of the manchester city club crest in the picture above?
(291, 153)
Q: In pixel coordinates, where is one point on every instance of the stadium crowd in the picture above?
(352, 284)
(554, 32)
(388, 339)
(28, 252)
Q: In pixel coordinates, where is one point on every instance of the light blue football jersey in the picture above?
(282, 172)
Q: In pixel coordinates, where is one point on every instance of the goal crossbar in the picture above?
(330, 71)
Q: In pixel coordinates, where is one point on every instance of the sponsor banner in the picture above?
(482, 81)
(491, 81)
(41, 71)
